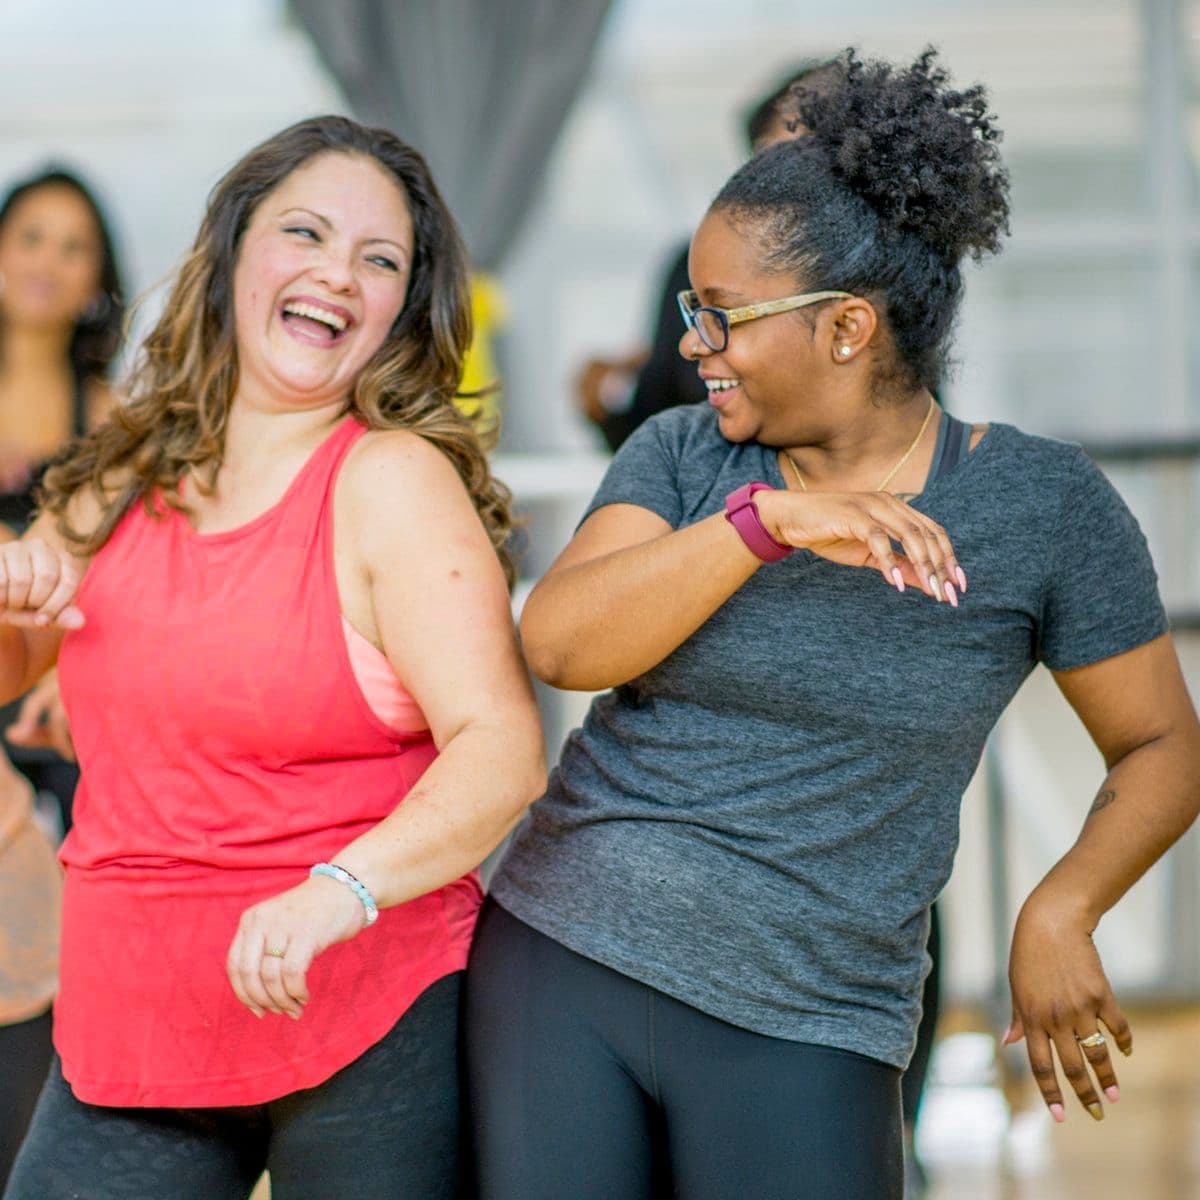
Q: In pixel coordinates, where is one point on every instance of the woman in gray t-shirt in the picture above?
(702, 963)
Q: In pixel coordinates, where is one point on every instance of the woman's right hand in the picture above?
(857, 529)
(38, 584)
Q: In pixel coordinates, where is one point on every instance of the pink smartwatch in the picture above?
(743, 516)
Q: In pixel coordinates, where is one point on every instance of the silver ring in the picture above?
(1092, 1040)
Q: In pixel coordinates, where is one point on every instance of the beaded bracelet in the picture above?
(333, 871)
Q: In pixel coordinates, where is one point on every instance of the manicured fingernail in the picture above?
(1058, 1113)
(41, 619)
(1113, 1093)
(1004, 1035)
(1125, 1052)
(933, 587)
(1096, 1111)
(951, 594)
(898, 576)
(962, 579)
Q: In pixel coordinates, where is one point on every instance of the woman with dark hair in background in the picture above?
(61, 309)
(277, 575)
(811, 600)
(60, 325)
(61, 313)
(618, 394)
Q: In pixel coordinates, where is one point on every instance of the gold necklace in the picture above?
(892, 473)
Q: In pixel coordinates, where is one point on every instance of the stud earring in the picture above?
(843, 350)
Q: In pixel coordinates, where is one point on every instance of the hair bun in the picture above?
(923, 155)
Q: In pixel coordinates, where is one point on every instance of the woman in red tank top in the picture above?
(275, 584)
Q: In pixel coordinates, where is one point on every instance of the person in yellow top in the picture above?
(479, 393)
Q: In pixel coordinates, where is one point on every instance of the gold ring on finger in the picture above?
(1092, 1041)
(270, 952)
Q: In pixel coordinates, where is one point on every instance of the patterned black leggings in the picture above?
(387, 1126)
(25, 1053)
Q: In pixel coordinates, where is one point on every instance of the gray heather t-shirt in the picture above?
(758, 825)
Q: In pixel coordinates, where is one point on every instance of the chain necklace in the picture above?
(892, 473)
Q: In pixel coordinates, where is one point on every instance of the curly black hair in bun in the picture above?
(896, 180)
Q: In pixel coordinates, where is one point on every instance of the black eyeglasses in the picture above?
(712, 324)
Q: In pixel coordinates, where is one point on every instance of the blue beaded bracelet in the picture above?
(333, 871)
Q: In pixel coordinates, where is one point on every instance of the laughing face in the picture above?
(320, 279)
(769, 383)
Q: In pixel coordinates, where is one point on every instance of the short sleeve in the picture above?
(645, 472)
(1100, 592)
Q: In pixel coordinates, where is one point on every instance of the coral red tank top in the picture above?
(225, 747)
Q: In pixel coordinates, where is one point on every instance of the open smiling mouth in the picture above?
(315, 323)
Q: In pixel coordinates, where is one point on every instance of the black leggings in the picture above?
(912, 1087)
(387, 1127)
(25, 1053)
(587, 1084)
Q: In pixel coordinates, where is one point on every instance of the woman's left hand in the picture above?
(1061, 996)
(278, 939)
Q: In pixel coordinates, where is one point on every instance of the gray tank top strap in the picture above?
(954, 437)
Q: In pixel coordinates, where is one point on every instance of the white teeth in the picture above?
(720, 385)
(332, 319)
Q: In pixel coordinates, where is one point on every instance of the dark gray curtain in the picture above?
(480, 87)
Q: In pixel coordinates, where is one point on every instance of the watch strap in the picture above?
(741, 513)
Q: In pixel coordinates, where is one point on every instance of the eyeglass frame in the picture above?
(729, 317)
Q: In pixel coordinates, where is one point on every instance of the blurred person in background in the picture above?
(619, 394)
(806, 604)
(61, 309)
(277, 577)
(60, 324)
(61, 314)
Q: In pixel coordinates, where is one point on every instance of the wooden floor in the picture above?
(993, 1140)
(1147, 1147)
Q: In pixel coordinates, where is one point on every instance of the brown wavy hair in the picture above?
(183, 383)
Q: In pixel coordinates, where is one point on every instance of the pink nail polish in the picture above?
(1058, 1113)
(951, 594)
(933, 587)
(962, 579)
(1004, 1035)
(1113, 1093)
(898, 576)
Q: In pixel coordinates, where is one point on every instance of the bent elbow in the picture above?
(545, 658)
(562, 670)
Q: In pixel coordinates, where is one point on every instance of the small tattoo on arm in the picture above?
(1103, 800)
